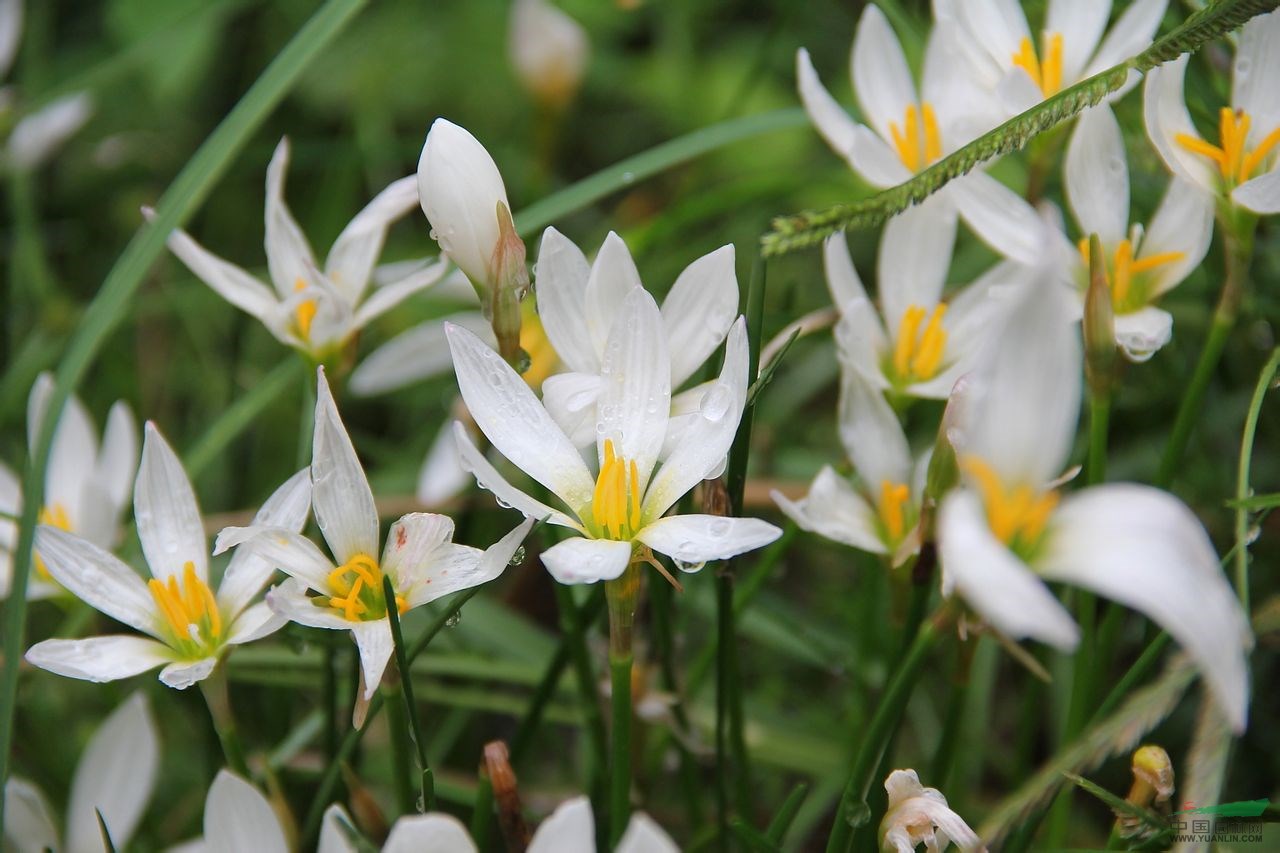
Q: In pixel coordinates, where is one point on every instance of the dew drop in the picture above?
(715, 403)
(517, 558)
(628, 177)
(719, 527)
(453, 619)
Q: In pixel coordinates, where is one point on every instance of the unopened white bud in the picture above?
(549, 51)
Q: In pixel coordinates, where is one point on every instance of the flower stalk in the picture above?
(218, 700)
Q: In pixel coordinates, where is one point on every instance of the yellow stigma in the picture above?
(1017, 515)
(892, 505)
(1128, 291)
(917, 141)
(54, 515)
(305, 313)
(1046, 74)
(615, 505)
(1236, 162)
(533, 340)
(190, 611)
(917, 353)
(357, 590)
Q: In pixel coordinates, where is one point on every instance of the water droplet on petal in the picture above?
(518, 557)
(715, 403)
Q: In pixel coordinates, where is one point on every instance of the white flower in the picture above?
(910, 132)
(1006, 529)
(191, 626)
(116, 776)
(346, 593)
(618, 511)
(579, 302)
(919, 815)
(549, 51)
(1242, 165)
(881, 514)
(85, 487)
(1141, 266)
(1007, 61)
(917, 344)
(313, 310)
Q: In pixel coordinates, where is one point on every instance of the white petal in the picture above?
(10, 34)
(613, 276)
(283, 549)
(1183, 223)
(74, 451)
(416, 354)
(118, 459)
(1255, 72)
(998, 26)
(344, 505)
(570, 399)
(1080, 23)
(1261, 194)
(508, 412)
(698, 311)
(375, 643)
(835, 510)
(288, 253)
(254, 623)
(28, 823)
(290, 600)
(99, 659)
(1097, 176)
(643, 835)
(164, 505)
(635, 374)
(1141, 333)
(436, 832)
(442, 476)
(183, 674)
(881, 79)
(828, 117)
(1144, 548)
(1132, 34)
(571, 827)
(562, 272)
(414, 541)
(238, 818)
(116, 776)
(390, 295)
(697, 539)
(1165, 112)
(908, 273)
(333, 831)
(707, 440)
(998, 216)
(36, 137)
(875, 160)
(993, 581)
(506, 494)
(580, 560)
(97, 578)
(451, 567)
(351, 259)
(842, 276)
(227, 280)
(861, 341)
(246, 574)
(871, 434)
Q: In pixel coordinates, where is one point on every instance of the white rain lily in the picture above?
(1141, 265)
(579, 302)
(918, 343)
(618, 511)
(314, 310)
(919, 815)
(190, 627)
(549, 51)
(116, 776)
(1241, 166)
(436, 832)
(86, 486)
(1007, 529)
(881, 513)
(911, 131)
(1020, 71)
(346, 593)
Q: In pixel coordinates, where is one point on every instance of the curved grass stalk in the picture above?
(1242, 477)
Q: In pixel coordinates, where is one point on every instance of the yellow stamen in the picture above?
(305, 313)
(1017, 515)
(918, 140)
(1122, 269)
(356, 588)
(186, 604)
(616, 501)
(1047, 75)
(1235, 162)
(917, 354)
(891, 506)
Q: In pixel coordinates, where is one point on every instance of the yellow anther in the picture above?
(891, 505)
(1017, 515)
(1127, 292)
(543, 360)
(1235, 161)
(918, 141)
(615, 504)
(1046, 74)
(356, 588)
(918, 353)
(305, 313)
(187, 604)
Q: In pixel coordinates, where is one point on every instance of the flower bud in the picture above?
(549, 51)
(1152, 786)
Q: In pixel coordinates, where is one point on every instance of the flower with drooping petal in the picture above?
(881, 513)
(116, 776)
(919, 815)
(346, 592)
(1241, 167)
(917, 344)
(435, 831)
(1141, 265)
(910, 132)
(190, 627)
(316, 311)
(1006, 529)
(549, 51)
(1020, 71)
(578, 303)
(619, 510)
(85, 487)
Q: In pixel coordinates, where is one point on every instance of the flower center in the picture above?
(533, 340)
(917, 352)
(893, 505)
(357, 591)
(305, 313)
(615, 505)
(1236, 161)
(54, 515)
(1047, 75)
(1017, 514)
(190, 612)
(917, 141)
(1125, 275)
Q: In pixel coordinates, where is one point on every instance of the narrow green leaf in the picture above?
(752, 837)
(1120, 805)
(107, 844)
(787, 813)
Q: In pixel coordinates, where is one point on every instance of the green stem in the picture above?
(664, 647)
(405, 677)
(216, 697)
(620, 764)
(724, 642)
(1099, 421)
(482, 813)
(393, 694)
(1242, 477)
(574, 628)
(239, 415)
